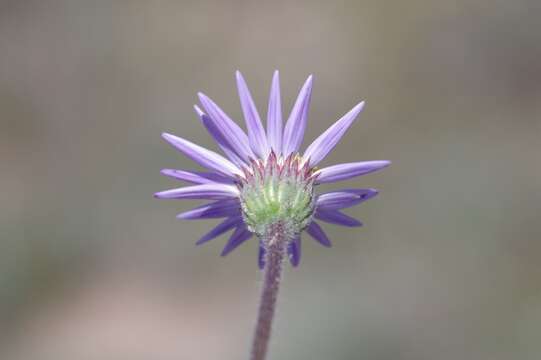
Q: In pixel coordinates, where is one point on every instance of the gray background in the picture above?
(447, 266)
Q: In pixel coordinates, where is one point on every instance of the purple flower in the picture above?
(263, 178)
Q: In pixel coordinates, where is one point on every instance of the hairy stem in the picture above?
(275, 242)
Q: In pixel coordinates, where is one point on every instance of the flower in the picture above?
(264, 179)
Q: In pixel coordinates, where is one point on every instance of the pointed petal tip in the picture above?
(369, 194)
(355, 111)
(363, 193)
(169, 172)
(220, 229)
(202, 241)
(359, 107)
(275, 78)
(205, 239)
(309, 81)
(198, 110)
(317, 233)
(307, 86)
(169, 138)
(202, 97)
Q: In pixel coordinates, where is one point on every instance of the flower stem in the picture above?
(275, 241)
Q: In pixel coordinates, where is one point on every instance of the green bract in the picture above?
(277, 191)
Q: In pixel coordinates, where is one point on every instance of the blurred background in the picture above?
(448, 265)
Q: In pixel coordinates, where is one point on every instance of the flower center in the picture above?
(277, 190)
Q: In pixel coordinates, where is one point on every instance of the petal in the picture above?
(294, 251)
(256, 133)
(336, 217)
(328, 140)
(221, 228)
(195, 177)
(202, 156)
(296, 124)
(344, 198)
(261, 256)
(221, 208)
(349, 170)
(315, 231)
(204, 191)
(214, 177)
(274, 116)
(219, 137)
(240, 235)
(236, 138)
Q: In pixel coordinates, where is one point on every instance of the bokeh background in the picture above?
(447, 267)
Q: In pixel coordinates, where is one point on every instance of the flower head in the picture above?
(264, 180)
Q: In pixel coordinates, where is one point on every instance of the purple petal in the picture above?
(344, 198)
(336, 217)
(195, 177)
(214, 177)
(315, 231)
(234, 135)
(296, 124)
(336, 200)
(221, 208)
(204, 191)
(294, 251)
(328, 140)
(274, 116)
(261, 256)
(256, 133)
(349, 170)
(221, 228)
(219, 137)
(240, 235)
(202, 156)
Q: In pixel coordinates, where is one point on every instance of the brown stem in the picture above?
(275, 242)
